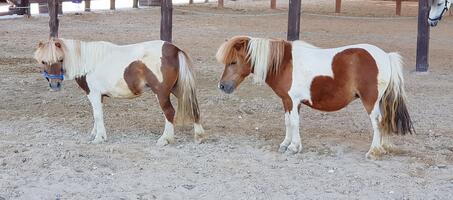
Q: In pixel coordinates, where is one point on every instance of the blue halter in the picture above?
(53, 76)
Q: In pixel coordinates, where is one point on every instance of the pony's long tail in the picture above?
(395, 117)
(187, 110)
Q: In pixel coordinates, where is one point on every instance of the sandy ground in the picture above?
(44, 152)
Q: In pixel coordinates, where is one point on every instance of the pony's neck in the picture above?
(267, 57)
(82, 58)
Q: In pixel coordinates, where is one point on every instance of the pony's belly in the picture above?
(121, 90)
(328, 94)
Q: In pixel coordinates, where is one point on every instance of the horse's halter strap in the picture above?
(442, 13)
(53, 76)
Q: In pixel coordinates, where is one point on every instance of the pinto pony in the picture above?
(437, 10)
(105, 69)
(324, 79)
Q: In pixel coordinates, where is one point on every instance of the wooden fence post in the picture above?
(112, 4)
(53, 14)
(87, 5)
(293, 20)
(135, 4)
(190, 1)
(398, 7)
(421, 64)
(337, 6)
(220, 3)
(273, 4)
(166, 10)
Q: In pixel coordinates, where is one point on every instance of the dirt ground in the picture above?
(44, 152)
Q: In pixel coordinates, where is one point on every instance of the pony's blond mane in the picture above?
(79, 58)
(228, 53)
(265, 55)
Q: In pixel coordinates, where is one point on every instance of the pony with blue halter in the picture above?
(438, 9)
(105, 69)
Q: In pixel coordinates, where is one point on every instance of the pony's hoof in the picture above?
(294, 148)
(388, 148)
(200, 137)
(164, 141)
(375, 153)
(97, 140)
(282, 149)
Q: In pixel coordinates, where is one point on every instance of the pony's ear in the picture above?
(40, 44)
(58, 44)
(239, 45)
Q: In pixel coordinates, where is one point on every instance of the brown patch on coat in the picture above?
(137, 76)
(280, 80)
(354, 74)
(82, 82)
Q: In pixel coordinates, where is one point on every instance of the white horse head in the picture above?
(438, 8)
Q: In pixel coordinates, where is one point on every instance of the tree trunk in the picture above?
(166, 10)
(112, 4)
(422, 37)
(135, 4)
(220, 3)
(53, 14)
(337, 6)
(87, 5)
(398, 7)
(294, 20)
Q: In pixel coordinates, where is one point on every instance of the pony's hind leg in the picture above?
(376, 149)
(199, 135)
(98, 132)
(168, 136)
(387, 144)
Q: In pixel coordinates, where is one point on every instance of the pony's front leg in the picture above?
(296, 144)
(169, 134)
(287, 141)
(98, 128)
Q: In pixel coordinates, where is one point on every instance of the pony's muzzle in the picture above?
(55, 86)
(433, 22)
(227, 86)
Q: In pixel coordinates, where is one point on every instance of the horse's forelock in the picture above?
(51, 51)
(229, 50)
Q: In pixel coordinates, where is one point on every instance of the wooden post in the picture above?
(273, 4)
(87, 5)
(294, 20)
(112, 4)
(135, 4)
(190, 1)
(421, 64)
(25, 10)
(337, 6)
(220, 5)
(398, 7)
(53, 14)
(166, 10)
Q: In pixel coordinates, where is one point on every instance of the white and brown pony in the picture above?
(324, 79)
(105, 69)
(438, 9)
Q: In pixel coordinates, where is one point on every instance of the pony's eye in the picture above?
(233, 63)
(60, 60)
